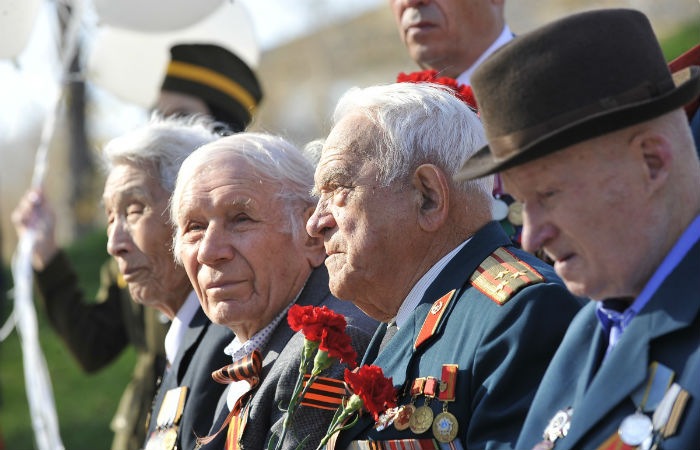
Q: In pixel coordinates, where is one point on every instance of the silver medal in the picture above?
(635, 428)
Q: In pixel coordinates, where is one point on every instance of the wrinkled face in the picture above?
(363, 225)
(445, 35)
(585, 207)
(140, 237)
(237, 245)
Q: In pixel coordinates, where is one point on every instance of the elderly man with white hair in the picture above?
(141, 167)
(474, 320)
(240, 205)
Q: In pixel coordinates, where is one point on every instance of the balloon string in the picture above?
(36, 375)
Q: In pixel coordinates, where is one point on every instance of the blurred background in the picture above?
(306, 53)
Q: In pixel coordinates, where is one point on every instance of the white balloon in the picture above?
(132, 64)
(17, 19)
(154, 15)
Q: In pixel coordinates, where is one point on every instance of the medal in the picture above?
(445, 425)
(422, 418)
(558, 427)
(635, 428)
(169, 439)
(403, 416)
(500, 209)
(386, 419)
(168, 419)
(638, 427)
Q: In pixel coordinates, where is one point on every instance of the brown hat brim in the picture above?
(687, 82)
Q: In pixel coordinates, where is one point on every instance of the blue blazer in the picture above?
(502, 350)
(666, 330)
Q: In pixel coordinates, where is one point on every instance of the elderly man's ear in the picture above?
(313, 246)
(656, 155)
(433, 196)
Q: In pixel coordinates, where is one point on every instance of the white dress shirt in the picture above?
(505, 36)
(237, 350)
(182, 320)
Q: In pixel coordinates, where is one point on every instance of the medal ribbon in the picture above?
(431, 387)
(417, 388)
(448, 380)
(247, 368)
(648, 397)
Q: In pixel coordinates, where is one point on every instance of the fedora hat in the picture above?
(574, 79)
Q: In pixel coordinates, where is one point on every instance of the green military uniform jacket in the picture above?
(96, 333)
(499, 329)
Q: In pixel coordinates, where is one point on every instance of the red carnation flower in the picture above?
(339, 345)
(376, 391)
(312, 320)
(462, 91)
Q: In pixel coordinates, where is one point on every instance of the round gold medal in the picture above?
(445, 427)
(403, 416)
(169, 439)
(421, 419)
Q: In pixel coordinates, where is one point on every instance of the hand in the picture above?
(34, 212)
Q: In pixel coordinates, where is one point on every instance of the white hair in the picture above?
(163, 144)
(418, 123)
(275, 162)
(312, 150)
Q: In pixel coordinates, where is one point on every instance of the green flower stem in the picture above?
(353, 405)
(309, 348)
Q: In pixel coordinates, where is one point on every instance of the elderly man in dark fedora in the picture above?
(598, 150)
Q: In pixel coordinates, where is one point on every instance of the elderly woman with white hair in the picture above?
(240, 206)
(141, 168)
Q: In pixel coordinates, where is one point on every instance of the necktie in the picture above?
(247, 368)
(391, 330)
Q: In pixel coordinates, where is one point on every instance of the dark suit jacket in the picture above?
(96, 332)
(502, 351)
(201, 352)
(666, 330)
(281, 359)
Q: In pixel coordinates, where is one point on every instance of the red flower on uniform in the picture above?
(462, 91)
(338, 345)
(376, 391)
(312, 320)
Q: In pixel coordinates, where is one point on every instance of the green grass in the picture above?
(682, 40)
(85, 403)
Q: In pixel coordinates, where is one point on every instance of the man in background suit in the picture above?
(412, 248)
(454, 37)
(597, 147)
(240, 205)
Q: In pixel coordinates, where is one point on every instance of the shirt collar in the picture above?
(607, 311)
(180, 323)
(237, 349)
(505, 36)
(414, 297)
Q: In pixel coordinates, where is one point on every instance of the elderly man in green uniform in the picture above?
(598, 149)
(200, 79)
(470, 321)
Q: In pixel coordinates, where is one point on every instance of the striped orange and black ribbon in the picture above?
(325, 393)
(247, 368)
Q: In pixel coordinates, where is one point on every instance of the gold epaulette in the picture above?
(502, 275)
